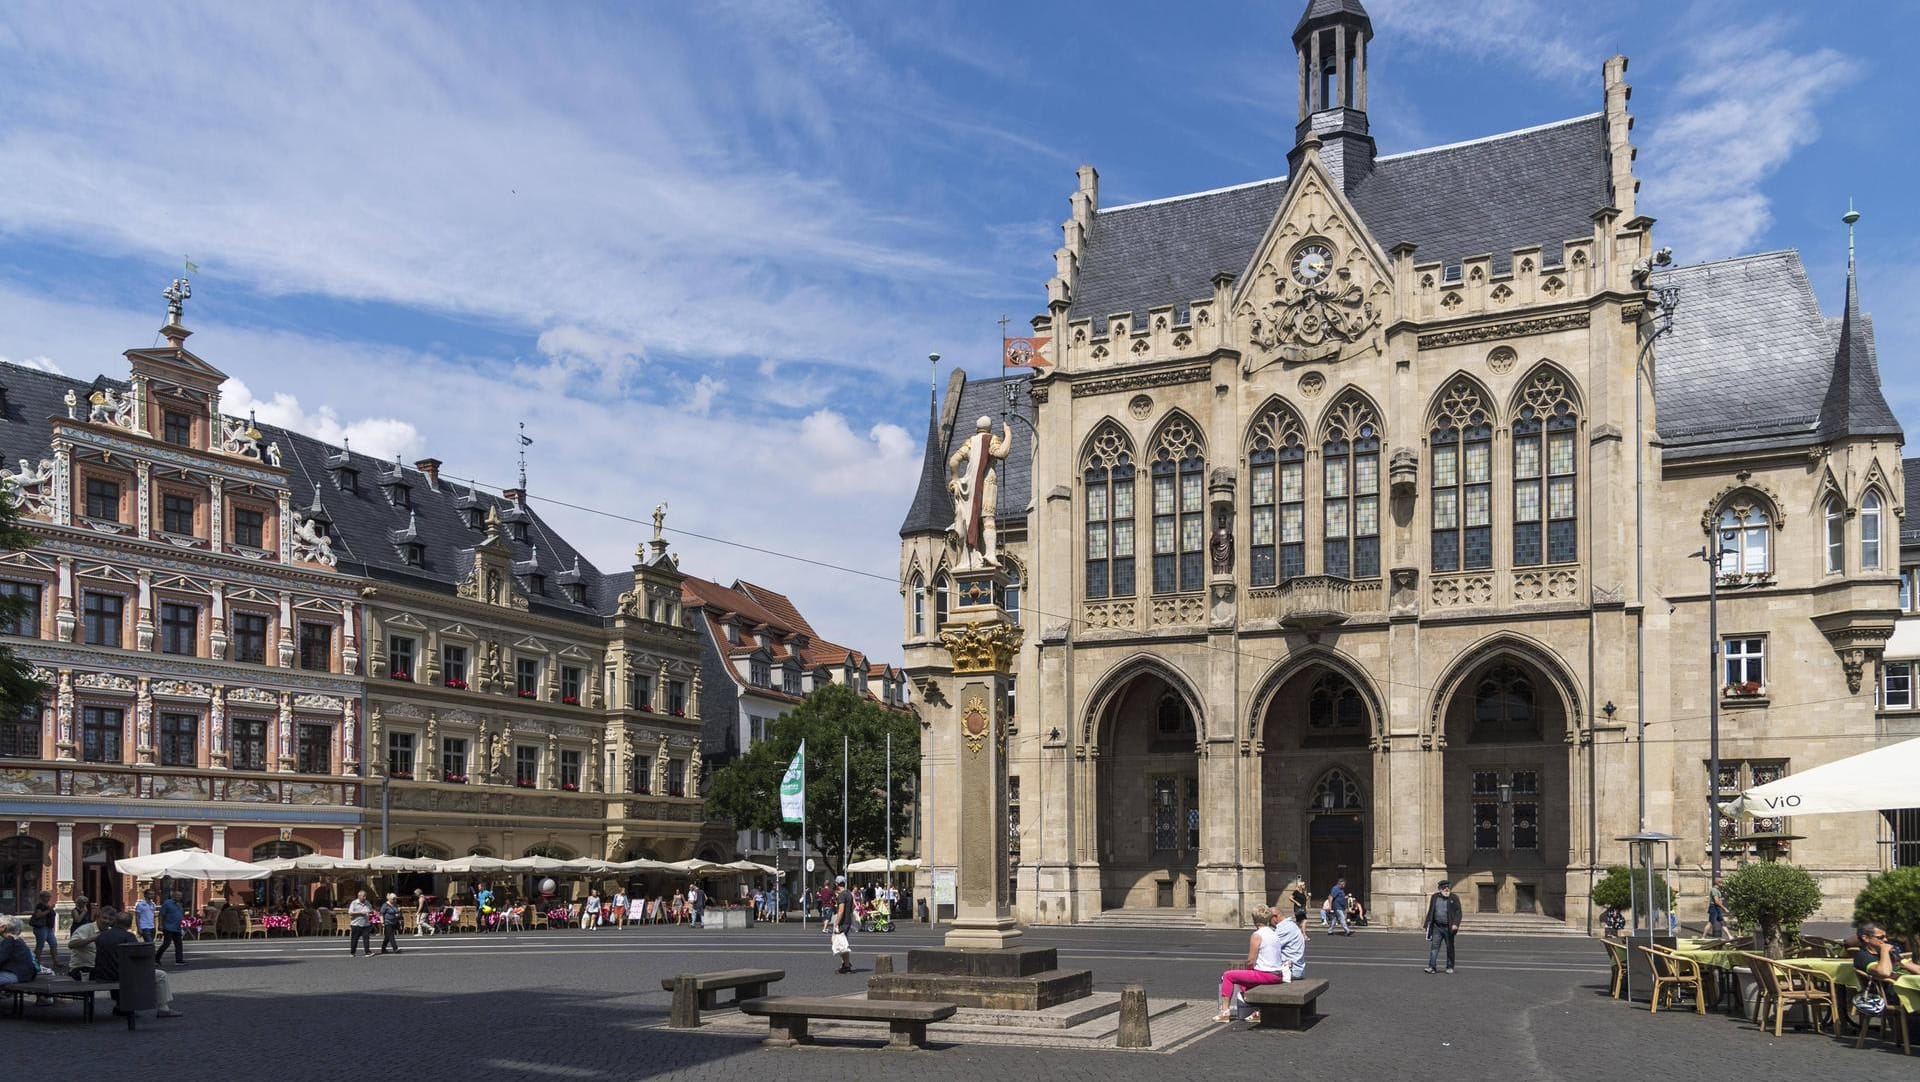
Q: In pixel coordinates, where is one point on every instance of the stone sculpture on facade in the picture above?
(974, 484)
(238, 437)
(107, 406)
(311, 545)
(29, 488)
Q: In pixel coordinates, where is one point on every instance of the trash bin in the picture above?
(137, 986)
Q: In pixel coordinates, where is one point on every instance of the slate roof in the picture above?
(364, 523)
(1324, 9)
(761, 609)
(1910, 523)
(1751, 363)
(1536, 186)
(932, 510)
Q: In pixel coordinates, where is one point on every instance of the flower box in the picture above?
(400, 675)
(524, 783)
(678, 713)
(192, 923)
(570, 787)
(277, 922)
(1742, 691)
(525, 694)
(403, 775)
(570, 700)
(457, 684)
(457, 779)
(559, 915)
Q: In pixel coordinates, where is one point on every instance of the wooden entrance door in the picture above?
(99, 879)
(1337, 847)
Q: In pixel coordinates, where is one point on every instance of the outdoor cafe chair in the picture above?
(1617, 959)
(1780, 987)
(1893, 1019)
(1671, 974)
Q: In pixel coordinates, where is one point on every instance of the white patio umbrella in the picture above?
(875, 864)
(694, 867)
(312, 862)
(906, 864)
(642, 864)
(536, 864)
(751, 866)
(188, 864)
(385, 863)
(592, 866)
(470, 865)
(1879, 780)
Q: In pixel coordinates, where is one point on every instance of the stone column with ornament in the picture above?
(982, 640)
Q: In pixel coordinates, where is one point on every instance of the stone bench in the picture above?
(906, 1020)
(83, 991)
(1285, 1006)
(746, 983)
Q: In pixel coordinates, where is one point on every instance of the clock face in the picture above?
(1312, 262)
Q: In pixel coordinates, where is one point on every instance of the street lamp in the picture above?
(1712, 553)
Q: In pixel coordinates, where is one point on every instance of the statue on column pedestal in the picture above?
(974, 485)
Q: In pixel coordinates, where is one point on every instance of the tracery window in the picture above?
(1503, 707)
(1277, 493)
(1336, 792)
(1108, 471)
(1179, 503)
(1462, 443)
(1544, 469)
(1335, 709)
(1350, 473)
(1870, 531)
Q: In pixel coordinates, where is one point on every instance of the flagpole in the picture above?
(889, 820)
(844, 852)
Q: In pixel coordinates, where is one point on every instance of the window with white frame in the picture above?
(1906, 588)
(917, 588)
(1836, 526)
(1745, 540)
(1870, 519)
(1896, 685)
(1746, 663)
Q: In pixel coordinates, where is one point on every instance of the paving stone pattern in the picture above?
(588, 1005)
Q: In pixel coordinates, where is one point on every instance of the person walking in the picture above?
(143, 913)
(618, 917)
(590, 915)
(1337, 908)
(1716, 911)
(390, 924)
(171, 917)
(697, 897)
(41, 921)
(360, 925)
(839, 922)
(1443, 923)
(422, 920)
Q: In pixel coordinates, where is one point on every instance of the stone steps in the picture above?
(1519, 924)
(1146, 918)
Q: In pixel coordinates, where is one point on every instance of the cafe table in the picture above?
(1841, 970)
(1724, 963)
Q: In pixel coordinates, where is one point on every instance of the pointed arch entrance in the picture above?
(1507, 780)
(1147, 784)
(1316, 780)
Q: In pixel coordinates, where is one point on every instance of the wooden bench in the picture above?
(906, 1020)
(747, 984)
(1286, 1006)
(60, 989)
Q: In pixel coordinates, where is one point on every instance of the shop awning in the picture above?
(1883, 779)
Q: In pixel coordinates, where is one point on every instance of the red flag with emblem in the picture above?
(1024, 352)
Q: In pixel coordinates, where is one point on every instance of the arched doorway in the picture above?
(1148, 803)
(99, 880)
(1506, 786)
(1316, 780)
(22, 860)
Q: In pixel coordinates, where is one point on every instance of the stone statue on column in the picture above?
(974, 483)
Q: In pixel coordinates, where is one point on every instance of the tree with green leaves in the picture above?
(1892, 900)
(1627, 889)
(747, 790)
(18, 687)
(1771, 896)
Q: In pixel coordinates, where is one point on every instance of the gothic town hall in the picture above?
(1356, 529)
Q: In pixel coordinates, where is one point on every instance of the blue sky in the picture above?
(703, 250)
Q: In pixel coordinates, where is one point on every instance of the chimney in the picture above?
(518, 496)
(431, 468)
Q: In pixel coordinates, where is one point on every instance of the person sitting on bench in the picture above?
(106, 963)
(16, 958)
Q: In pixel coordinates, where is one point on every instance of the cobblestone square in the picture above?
(588, 1005)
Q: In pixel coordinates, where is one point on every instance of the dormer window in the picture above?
(790, 680)
(578, 592)
(176, 428)
(733, 632)
(476, 518)
(520, 532)
(537, 583)
(402, 496)
(415, 553)
(348, 480)
(759, 673)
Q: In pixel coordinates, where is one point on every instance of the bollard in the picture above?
(686, 1003)
(882, 963)
(1133, 1018)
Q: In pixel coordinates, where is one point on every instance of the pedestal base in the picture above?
(1016, 979)
(991, 935)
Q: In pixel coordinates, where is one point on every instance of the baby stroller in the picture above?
(878, 918)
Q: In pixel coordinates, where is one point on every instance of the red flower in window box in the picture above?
(457, 779)
(400, 674)
(524, 783)
(1743, 690)
(403, 775)
(570, 700)
(456, 683)
(526, 694)
(679, 713)
(571, 787)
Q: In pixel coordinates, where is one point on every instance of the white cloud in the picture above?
(700, 397)
(42, 363)
(1534, 35)
(381, 437)
(1747, 102)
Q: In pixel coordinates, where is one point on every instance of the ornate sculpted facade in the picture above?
(1354, 532)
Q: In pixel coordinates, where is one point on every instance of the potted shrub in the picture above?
(1627, 889)
(1771, 896)
(1892, 898)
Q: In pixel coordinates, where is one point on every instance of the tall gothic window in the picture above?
(1503, 707)
(1108, 470)
(1350, 474)
(1277, 496)
(1179, 508)
(1335, 712)
(1870, 531)
(1745, 538)
(1462, 441)
(917, 589)
(942, 597)
(1836, 537)
(1544, 458)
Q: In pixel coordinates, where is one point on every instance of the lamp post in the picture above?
(1712, 554)
(1667, 298)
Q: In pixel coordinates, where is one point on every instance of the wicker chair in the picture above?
(1617, 958)
(1671, 973)
(1781, 986)
(1893, 1020)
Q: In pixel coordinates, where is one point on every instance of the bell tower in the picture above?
(1330, 42)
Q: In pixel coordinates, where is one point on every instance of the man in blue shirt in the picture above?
(1337, 913)
(170, 916)
(143, 912)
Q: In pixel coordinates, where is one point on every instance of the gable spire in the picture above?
(1330, 45)
(1854, 405)
(930, 497)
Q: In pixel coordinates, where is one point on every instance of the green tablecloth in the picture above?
(1718, 959)
(1844, 975)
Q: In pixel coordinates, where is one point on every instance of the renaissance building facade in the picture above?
(1358, 528)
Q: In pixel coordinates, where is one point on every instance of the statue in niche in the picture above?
(493, 586)
(1221, 546)
(974, 485)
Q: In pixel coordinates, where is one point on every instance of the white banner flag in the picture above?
(793, 788)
